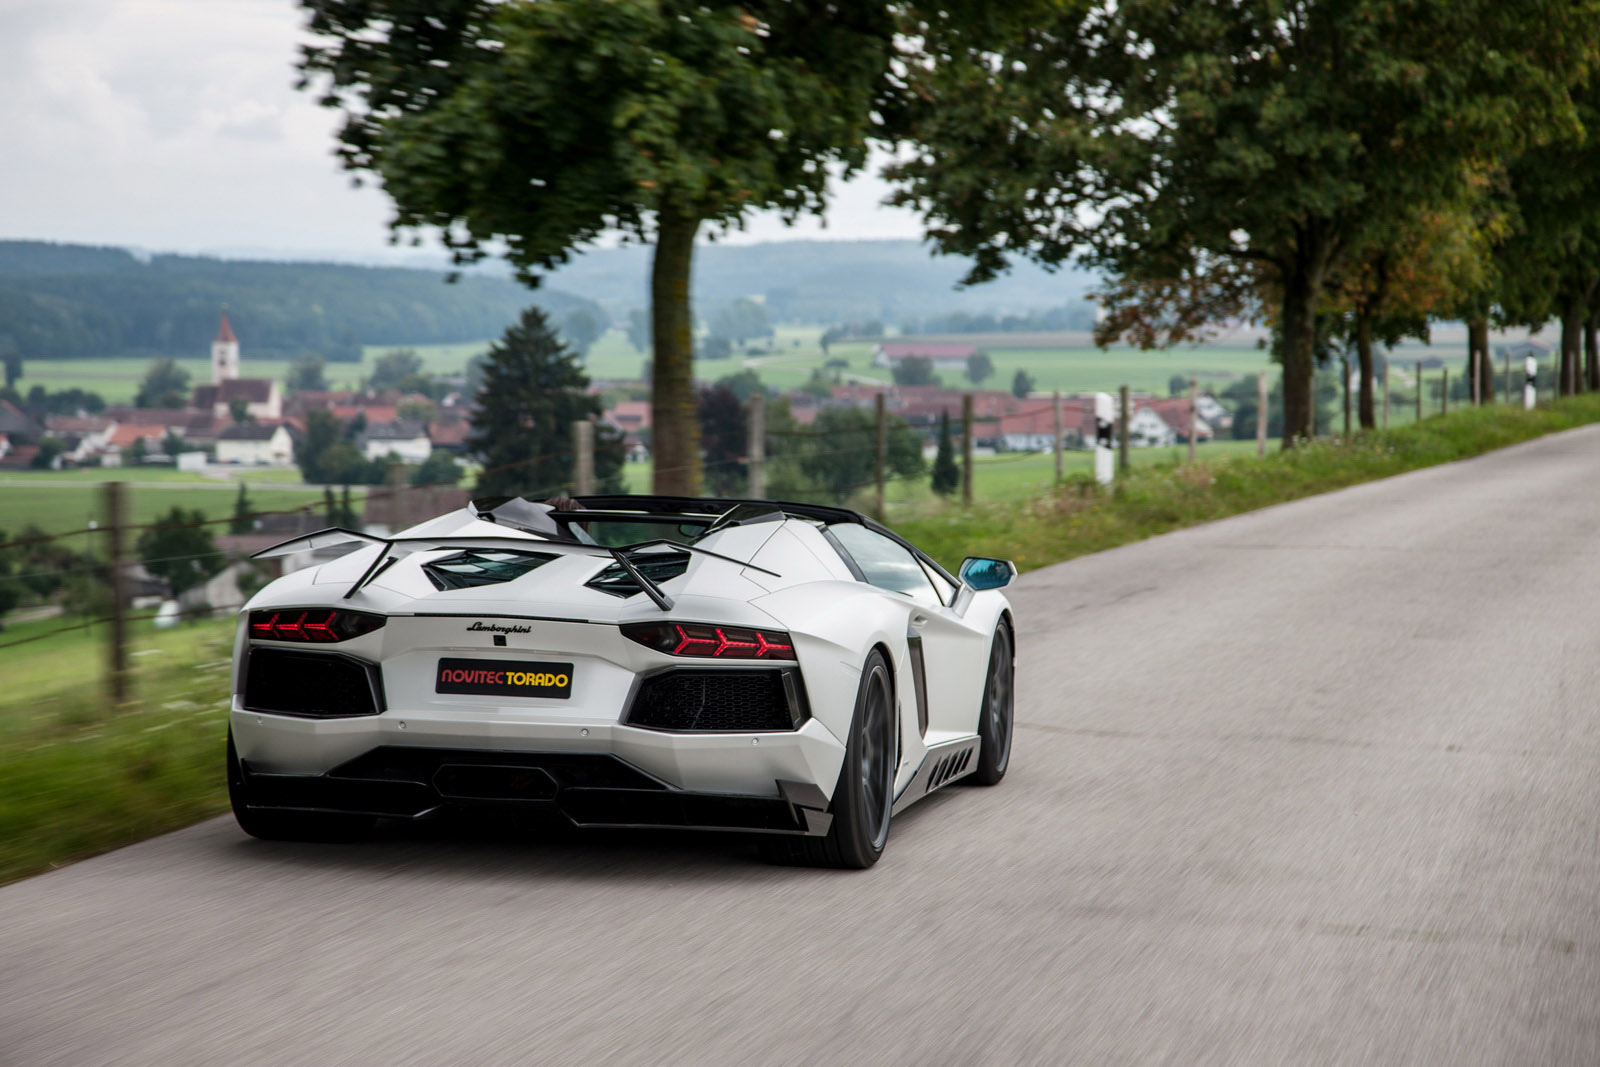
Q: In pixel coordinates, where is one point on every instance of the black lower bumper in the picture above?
(588, 789)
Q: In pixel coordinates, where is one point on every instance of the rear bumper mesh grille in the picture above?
(719, 701)
(316, 685)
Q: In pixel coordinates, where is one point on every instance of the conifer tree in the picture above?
(946, 475)
(533, 391)
(243, 517)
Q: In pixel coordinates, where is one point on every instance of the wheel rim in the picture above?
(874, 765)
(999, 703)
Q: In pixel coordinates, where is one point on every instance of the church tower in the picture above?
(224, 352)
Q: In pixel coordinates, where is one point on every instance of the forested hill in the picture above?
(61, 301)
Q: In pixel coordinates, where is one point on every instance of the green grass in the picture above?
(1153, 499)
(77, 776)
(61, 509)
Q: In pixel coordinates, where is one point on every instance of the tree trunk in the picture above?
(1571, 344)
(1299, 342)
(1364, 356)
(1591, 350)
(675, 423)
(1478, 356)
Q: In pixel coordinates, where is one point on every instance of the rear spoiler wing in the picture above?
(338, 535)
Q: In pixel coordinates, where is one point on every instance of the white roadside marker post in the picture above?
(1530, 395)
(1104, 458)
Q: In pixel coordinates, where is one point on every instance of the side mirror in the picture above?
(980, 573)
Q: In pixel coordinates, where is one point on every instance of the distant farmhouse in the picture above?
(943, 356)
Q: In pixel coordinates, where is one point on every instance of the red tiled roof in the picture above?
(449, 431)
(125, 435)
(20, 457)
(225, 332)
(76, 423)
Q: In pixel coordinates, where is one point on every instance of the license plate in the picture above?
(510, 678)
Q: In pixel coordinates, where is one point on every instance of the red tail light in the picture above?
(705, 641)
(311, 625)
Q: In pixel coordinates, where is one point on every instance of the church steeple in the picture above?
(224, 352)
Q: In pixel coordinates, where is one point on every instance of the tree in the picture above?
(745, 384)
(139, 450)
(347, 512)
(165, 385)
(533, 391)
(914, 370)
(244, 519)
(416, 410)
(178, 550)
(839, 456)
(946, 475)
(724, 440)
(172, 444)
(330, 509)
(715, 347)
(581, 330)
(11, 358)
(322, 432)
(1222, 162)
(390, 370)
(639, 330)
(979, 367)
(307, 374)
(1022, 384)
(742, 319)
(239, 411)
(11, 568)
(440, 468)
(542, 125)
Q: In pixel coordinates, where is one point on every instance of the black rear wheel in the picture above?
(864, 798)
(287, 825)
(996, 717)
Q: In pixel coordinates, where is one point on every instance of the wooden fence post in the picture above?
(1123, 417)
(1444, 390)
(583, 457)
(1263, 414)
(1386, 392)
(117, 664)
(1419, 390)
(966, 449)
(1194, 417)
(756, 446)
(1056, 398)
(881, 456)
(1344, 364)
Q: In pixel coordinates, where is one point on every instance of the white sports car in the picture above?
(789, 670)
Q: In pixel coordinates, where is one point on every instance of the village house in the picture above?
(256, 444)
(405, 438)
(943, 355)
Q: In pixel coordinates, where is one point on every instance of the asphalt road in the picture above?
(1315, 784)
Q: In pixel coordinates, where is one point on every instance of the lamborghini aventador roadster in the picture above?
(791, 671)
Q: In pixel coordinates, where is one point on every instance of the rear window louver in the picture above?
(658, 567)
(482, 566)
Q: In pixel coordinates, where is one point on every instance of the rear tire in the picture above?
(996, 718)
(287, 825)
(863, 801)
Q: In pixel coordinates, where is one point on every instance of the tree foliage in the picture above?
(979, 368)
(724, 440)
(533, 391)
(307, 374)
(1222, 161)
(165, 385)
(913, 370)
(946, 475)
(543, 125)
(178, 550)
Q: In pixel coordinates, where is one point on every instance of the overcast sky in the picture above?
(173, 125)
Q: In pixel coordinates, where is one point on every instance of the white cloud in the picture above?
(174, 124)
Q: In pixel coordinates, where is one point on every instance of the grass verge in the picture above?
(1080, 517)
(78, 777)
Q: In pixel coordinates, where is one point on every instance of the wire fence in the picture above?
(814, 446)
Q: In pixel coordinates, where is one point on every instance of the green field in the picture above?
(59, 509)
(78, 776)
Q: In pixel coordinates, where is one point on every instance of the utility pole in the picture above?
(118, 663)
(1262, 414)
(966, 449)
(583, 457)
(1123, 416)
(756, 447)
(1344, 364)
(881, 459)
(1056, 398)
(1194, 418)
